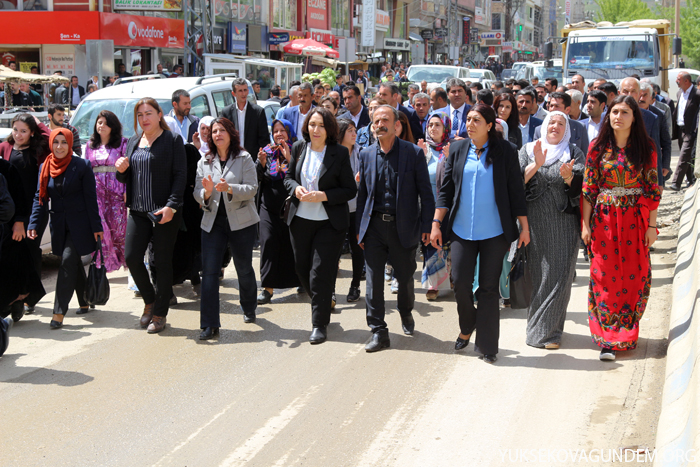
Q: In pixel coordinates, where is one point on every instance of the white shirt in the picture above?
(184, 125)
(300, 121)
(593, 128)
(525, 131)
(241, 123)
(460, 118)
(355, 118)
(682, 103)
(309, 170)
(76, 96)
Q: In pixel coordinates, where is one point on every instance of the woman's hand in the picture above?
(167, 215)
(222, 186)
(98, 236)
(650, 236)
(524, 238)
(446, 150)
(31, 234)
(196, 141)
(286, 152)
(421, 144)
(262, 157)
(357, 177)
(567, 171)
(314, 197)
(208, 185)
(586, 234)
(18, 231)
(299, 192)
(436, 236)
(540, 156)
(122, 164)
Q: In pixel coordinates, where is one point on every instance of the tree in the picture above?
(690, 29)
(623, 10)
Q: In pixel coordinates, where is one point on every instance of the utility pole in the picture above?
(678, 26)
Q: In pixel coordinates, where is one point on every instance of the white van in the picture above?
(436, 73)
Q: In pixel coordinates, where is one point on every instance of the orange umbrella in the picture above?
(310, 47)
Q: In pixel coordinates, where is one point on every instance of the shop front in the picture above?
(397, 50)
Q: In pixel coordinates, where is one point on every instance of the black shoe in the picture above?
(8, 323)
(364, 274)
(248, 317)
(28, 310)
(607, 354)
(173, 301)
(264, 297)
(380, 340)
(300, 289)
(673, 187)
(55, 324)
(353, 294)
(489, 358)
(462, 343)
(318, 335)
(208, 333)
(82, 311)
(408, 324)
(17, 311)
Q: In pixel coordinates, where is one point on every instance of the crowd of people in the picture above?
(471, 175)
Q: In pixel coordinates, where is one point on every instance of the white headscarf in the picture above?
(174, 127)
(555, 152)
(206, 121)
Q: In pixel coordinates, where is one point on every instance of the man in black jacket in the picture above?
(19, 98)
(355, 110)
(249, 119)
(75, 93)
(391, 93)
(686, 117)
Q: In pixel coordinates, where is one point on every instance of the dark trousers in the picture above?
(35, 249)
(356, 253)
(317, 246)
(381, 243)
(139, 232)
(214, 246)
(485, 317)
(71, 277)
(684, 169)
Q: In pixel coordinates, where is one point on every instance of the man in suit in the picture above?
(458, 93)
(647, 102)
(654, 123)
(561, 102)
(297, 113)
(596, 113)
(579, 83)
(686, 117)
(275, 92)
(187, 124)
(75, 93)
(421, 104)
(290, 100)
(249, 119)
(526, 101)
(355, 110)
(395, 206)
(576, 112)
(391, 93)
(438, 100)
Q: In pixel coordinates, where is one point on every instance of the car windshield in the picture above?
(612, 53)
(85, 117)
(543, 73)
(431, 73)
(517, 66)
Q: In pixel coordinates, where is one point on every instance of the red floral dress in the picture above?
(620, 265)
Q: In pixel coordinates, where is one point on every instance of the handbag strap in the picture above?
(98, 250)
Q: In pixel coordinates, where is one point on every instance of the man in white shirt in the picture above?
(249, 119)
(595, 107)
(76, 92)
(687, 120)
(355, 110)
(187, 124)
(526, 101)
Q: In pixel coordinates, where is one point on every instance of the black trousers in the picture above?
(317, 247)
(71, 277)
(684, 169)
(381, 243)
(35, 250)
(139, 232)
(356, 253)
(485, 317)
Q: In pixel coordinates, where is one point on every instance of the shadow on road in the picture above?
(44, 375)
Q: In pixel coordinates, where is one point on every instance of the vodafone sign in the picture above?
(142, 31)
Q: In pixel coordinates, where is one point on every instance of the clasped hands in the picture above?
(302, 194)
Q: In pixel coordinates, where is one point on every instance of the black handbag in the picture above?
(97, 286)
(284, 212)
(520, 281)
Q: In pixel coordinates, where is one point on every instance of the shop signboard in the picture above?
(142, 31)
(275, 38)
(426, 34)
(236, 37)
(147, 5)
(317, 14)
(396, 44)
(507, 47)
(383, 21)
(322, 37)
(219, 39)
(441, 32)
(8, 57)
(466, 23)
(368, 23)
(64, 63)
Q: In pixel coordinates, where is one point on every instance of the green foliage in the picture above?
(690, 30)
(327, 76)
(623, 10)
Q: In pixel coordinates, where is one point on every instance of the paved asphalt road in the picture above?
(102, 392)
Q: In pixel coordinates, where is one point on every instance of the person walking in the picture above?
(276, 253)
(321, 182)
(553, 170)
(248, 118)
(482, 190)
(620, 200)
(105, 148)
(394, 205)
(225, 187)
(69, 183)
(686, 118)
(154, 171)
(507, 110)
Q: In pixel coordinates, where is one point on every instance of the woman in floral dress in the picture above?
(619, 206)
(106, 145)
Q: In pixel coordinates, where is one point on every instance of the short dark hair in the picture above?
(510, 82)
(276, 90)
(178, 94)
(315, 82)
(608, 87)
(566, 99)
(329, 123)
(319, 86)
(598, 95)
(553, 81)
(11, 62)
(394, 87)
(523, 83)
(478, 86)
(485, 96)
(527, 92)
(71, 78)
(296, 82)
(657, 88)
(355, 90)
(539, 86)
(34, 68)
(54, 107)
(440, 93)
(498, 84)
(238, 82)
(329, 99)
(452, 82)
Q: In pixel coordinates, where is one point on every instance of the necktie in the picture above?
(422, 124)
(455, 121)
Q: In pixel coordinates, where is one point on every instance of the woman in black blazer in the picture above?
(321, 182)
(69, 183)
(485, 169)
(155, 171)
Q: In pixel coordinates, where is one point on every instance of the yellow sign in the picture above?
(26, 67)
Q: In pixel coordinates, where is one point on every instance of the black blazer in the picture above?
(7, 206)
(508, 183)
(364, 117)
(690, 116)
(168, 169)
(73, 209)
(257, 135)
(414, 121)
(335, 179)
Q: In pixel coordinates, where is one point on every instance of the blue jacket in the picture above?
(413, 217)
(663, 152)
(73, 209)
(534, 123)
(292, 115)
(653, 126)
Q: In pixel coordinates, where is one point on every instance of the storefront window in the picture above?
(285, 16)
(340, 10)
(265, 75)
(8, 5)
(35, 5)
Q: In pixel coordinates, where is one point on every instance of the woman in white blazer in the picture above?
(226, 186)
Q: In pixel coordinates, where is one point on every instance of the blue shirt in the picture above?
(477, 217)
(432, 169)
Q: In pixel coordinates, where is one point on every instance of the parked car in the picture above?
(673, 74)
(436, 73)
(508, 73)
(525, 71)
(271, 108)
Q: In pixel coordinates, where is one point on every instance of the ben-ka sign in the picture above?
(148, 5)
